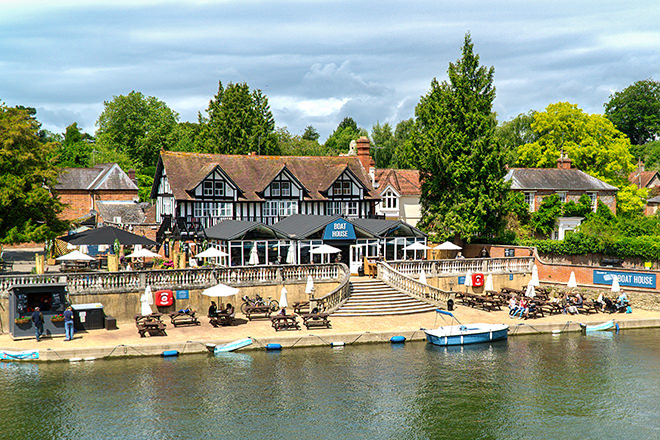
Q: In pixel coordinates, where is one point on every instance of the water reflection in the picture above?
(566, 386)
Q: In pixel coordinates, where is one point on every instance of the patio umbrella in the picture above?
(422, 276)
(448, 246)
(535, 276)
(530, 293)
(325, 249)
(417, 246)
(146, 299)
(489, 282)
(143, 253)
(291, 254)
(254, 257)
(615, 284)
(572, 282)
(220, 290)
(468, 279)
(75, 256)
(283, 299)
(211, 253)
(309, 287)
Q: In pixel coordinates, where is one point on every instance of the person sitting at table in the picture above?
(577, 300)
(213, 310)
(523, 307)
(283, 311)
(513, 306)
(530, 309)
(229, 310)
(315, 311)
(622, 300)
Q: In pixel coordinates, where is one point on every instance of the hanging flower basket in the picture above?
(22, 320)
(57, 318)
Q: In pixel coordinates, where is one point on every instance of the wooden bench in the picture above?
(257, 310)
(150, 324)
(315, 320)
(282, 322)
(590, 306)
(221, 319)
(184, 318)
(298, 306)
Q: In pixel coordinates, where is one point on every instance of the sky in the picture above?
(317, 61)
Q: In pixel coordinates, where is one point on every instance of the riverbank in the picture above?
(97, 344)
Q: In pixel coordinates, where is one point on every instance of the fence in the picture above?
(461, 266)
(413, 287)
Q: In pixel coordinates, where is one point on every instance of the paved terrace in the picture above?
(126, 342)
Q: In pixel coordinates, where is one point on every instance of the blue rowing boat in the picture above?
(232, 346)
(607, 325)
(462, 335)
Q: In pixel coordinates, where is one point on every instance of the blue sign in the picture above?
(630, 279)
(182, 294)
(340, 229)
(461, 281)
(510, 277)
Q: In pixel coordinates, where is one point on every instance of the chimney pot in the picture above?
(564, 162)
(363, 153)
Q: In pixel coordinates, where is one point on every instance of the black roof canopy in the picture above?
(243, 230)
(107, 235)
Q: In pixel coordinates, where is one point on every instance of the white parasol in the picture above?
(417, 246)
(146, 299)
(572, 282)
(254, 257)
(530, 293)
(422, 276)
(221, 290)
(535, 276)
(489, 283)
(291, 255)
(211, 253)
(309, 287)
(283, 299)
(75, 256)
(325, 249)
(615, 284)
(448, 246)
(143, 253)
(468, 279)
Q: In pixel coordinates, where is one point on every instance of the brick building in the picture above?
(80, 189)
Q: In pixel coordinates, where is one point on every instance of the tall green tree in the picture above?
(404, 156)
(514, 133)
(76, 149)
(591, 141)
(28, 212)
(238, 121)
(383, 145)
(136, 125)
(295, 145)
(311, 134)
(461, 164)
(340, 139)
(636, 111)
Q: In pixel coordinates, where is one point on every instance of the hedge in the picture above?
(644, 247)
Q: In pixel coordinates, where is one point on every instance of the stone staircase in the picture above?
(370, 297)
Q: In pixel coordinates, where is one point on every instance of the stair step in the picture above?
(375, 298)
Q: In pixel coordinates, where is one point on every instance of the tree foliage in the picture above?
(383, 145)
(636, 111)
(27, 210)
(76, 149)
(460, 162)
(544, 219)
(294, 145)
(237, 121)
(592, 142)
(514, 133)
(340, 139)
(311, 134)
(136, 125)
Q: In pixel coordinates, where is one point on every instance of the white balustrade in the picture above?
(461, 266)
(410, 286)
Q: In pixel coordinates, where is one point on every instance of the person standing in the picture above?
(68, 324)
(38, 320)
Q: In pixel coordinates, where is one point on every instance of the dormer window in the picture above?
(208, 188)
(342, 187)
(219, 188)
(390, 200)
(282, 188)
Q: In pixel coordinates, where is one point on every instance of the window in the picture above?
(529, 200)
(116, 219)
(285, 188)
(342, 187)
(390, 200)
(333, 208)
(562, 196)
(352, 208)
(225, 209)
(208, 188)
(275, 189)
(270, 208)
(219, 187)
(198, 210)
(288, 207)
(346, 185)
(594, 200)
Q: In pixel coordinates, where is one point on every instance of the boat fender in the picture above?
(273, 347)
(616, 326)
(397, 339)
(169, 353)
(337, 344)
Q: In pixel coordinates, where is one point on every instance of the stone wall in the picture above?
(450, 283)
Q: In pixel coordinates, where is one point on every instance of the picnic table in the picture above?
(151, 324)
(257, 310)
(288, 322)
(221, 319)
(184, 317)
(298, 306)
(315, 320)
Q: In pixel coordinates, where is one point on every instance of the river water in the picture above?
(530, 387)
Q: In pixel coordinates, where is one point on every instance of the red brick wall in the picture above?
(78, 203)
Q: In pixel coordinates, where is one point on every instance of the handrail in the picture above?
(335, 299)
(192, 278)
(461, 266)
(413, 287)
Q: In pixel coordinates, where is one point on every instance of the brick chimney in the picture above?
(563, 162)
(131, 175)
(363, 148)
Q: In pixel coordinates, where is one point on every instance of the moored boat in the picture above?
(465, 334)
(607, 325)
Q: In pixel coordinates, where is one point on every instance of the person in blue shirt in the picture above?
(68, 324)
(38, 320)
